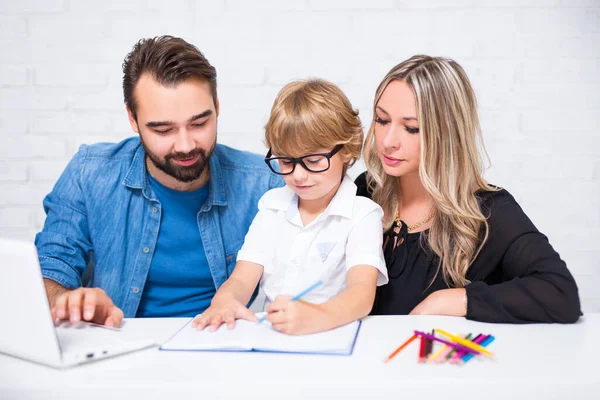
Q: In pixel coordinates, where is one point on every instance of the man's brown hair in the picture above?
(170, 61)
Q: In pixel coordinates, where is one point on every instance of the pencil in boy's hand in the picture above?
(298, 296)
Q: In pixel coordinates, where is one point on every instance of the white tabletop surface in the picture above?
(533, 362)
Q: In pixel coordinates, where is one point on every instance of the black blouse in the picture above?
(516, 278)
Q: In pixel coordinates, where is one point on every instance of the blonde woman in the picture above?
(453, 244)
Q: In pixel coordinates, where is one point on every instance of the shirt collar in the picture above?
(136, 178)
(342, 203)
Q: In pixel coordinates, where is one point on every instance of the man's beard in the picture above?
(179, 172)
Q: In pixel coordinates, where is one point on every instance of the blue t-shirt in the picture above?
(179, 282)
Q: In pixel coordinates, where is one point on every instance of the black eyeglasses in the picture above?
(319, 162)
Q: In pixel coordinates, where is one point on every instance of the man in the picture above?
(163, 215)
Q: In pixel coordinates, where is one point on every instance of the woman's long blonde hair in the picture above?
(452, 161)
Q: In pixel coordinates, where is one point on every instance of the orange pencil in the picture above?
(399, 349)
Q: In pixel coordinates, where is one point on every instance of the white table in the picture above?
(534, 362)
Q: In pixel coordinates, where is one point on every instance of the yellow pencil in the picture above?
(444, 348)
(435, 355)
(466, 343)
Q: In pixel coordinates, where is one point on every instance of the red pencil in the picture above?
(422, 350)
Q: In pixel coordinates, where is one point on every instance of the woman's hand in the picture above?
(443, 302)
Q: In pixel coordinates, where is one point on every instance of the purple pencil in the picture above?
(459, 355)
(451, 344)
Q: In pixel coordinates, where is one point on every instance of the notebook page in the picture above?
(240, 338)
(335, 341)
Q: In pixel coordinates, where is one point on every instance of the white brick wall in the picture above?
(535, 65)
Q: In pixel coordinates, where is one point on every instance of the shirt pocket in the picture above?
(330, 256)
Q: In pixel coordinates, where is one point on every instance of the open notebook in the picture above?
(254, 336)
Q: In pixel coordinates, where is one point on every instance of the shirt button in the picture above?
(135, 290)
(146, 250)
(154, 210)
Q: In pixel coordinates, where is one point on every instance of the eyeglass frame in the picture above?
(299, 160)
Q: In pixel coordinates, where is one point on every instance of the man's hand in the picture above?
(224, 310)
(88, 304)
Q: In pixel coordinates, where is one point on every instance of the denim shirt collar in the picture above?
(136, 178)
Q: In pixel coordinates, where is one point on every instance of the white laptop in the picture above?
(28, 331)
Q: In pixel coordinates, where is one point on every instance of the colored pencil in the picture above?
(428, 347)
(455, 355)
(451, 344)
(298, 296)
(453, 352)
(477, 340)
(399, 349)
(421, 348)
(486, 342)
(440, 355)
(466, 343)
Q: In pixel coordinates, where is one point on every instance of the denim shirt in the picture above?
(103, 205)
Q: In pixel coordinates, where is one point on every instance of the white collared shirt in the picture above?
(348, 233)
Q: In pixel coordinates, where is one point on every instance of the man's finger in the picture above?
(89, 304)
(116, 316)
(60, 306)
(109, 322)
(74, 305)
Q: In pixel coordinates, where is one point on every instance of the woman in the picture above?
(454, 244)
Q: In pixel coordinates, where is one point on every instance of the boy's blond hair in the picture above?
(313, 114)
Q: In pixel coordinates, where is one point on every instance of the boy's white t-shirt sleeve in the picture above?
(365, 242)
(254, 249)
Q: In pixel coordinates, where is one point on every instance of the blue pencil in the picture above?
(487, 341)
(298, 296)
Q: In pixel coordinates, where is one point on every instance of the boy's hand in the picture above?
(223, 311)
(295, 317)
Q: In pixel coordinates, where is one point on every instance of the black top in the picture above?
(516, 278)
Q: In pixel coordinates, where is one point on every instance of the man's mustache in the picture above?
(185, 156)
